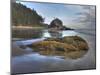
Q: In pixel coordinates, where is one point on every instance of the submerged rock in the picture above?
(69, 46)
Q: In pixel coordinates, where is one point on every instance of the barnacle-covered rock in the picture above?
(76, 41)
(69, 46)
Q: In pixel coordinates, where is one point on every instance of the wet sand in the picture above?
(33, 62)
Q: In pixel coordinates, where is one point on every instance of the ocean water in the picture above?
(34, 62)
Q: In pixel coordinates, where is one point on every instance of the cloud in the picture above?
(86, 19)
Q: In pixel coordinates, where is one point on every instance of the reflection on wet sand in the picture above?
(55, 34)
(39, 62)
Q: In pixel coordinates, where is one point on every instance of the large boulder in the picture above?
(69, 47)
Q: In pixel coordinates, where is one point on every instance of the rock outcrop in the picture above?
(69, 47)
(57, 24)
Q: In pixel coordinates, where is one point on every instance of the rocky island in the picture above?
(57, 24)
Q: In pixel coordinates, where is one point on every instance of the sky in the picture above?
(69, 14)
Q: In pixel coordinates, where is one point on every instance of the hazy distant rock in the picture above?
(57, 24)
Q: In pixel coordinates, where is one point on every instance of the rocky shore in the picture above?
(69, 47)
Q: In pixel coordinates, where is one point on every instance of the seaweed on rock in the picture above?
(69, 46)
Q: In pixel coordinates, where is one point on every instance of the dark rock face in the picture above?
(69, 47)
(57, 24)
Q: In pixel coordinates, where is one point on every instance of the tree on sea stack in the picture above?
(56, 23)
